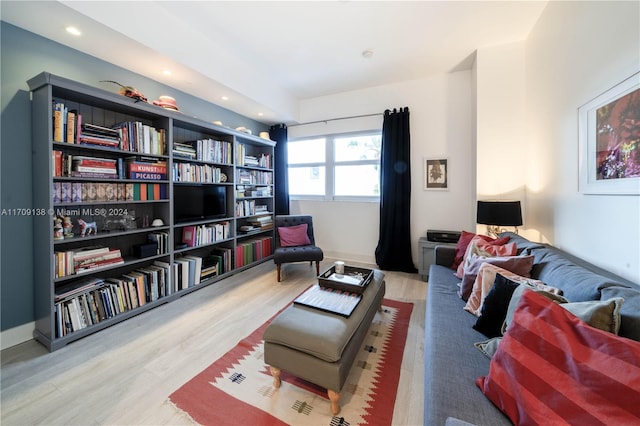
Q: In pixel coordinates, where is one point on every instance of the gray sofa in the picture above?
(452, 363)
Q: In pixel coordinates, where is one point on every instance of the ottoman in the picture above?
(318, 346)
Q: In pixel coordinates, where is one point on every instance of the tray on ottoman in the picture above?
(329, 300)
(354, 280)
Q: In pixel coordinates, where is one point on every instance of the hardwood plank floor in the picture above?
(124, 374)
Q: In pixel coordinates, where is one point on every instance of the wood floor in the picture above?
(124, 374)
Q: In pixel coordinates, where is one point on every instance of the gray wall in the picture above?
(24, 55)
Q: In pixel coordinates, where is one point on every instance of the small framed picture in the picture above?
(436, 173)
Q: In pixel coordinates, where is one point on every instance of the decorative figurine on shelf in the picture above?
(67, 226)
(57, 229)
(87, 228)
(128, 91)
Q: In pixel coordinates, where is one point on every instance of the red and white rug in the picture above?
(237, 389)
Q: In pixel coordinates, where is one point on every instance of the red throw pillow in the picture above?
(291, 236)
(461, 247)
(553, 368)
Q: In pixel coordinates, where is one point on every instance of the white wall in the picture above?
(500, 101)
(576, 51)
(440, 126)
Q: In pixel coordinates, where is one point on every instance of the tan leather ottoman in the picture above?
(320, 347)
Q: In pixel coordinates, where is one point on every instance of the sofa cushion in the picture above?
(484, 281)
(602, 314)
(292, 236)
(451, 363)
(494, 308)
(538, 373)
(577, 283)
(481, 245)
(463, 243)
(630, 311)
(519, 265)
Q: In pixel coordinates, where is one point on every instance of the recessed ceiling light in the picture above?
(260, 114)
(367, 53)
(166, 72)
(225, 98)
(73, 30)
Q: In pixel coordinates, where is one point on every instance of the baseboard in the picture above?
(16, 335)
(350, 257)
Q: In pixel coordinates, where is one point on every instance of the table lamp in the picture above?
(495, 214)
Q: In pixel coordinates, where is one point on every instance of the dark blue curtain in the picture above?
(393, 252)
(279, 134)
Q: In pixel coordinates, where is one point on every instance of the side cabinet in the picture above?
(426, 255)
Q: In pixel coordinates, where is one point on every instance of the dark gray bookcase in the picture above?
(106, 109)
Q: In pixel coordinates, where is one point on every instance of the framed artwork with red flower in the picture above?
(609, 138)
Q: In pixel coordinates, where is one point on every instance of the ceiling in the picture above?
(267, 56)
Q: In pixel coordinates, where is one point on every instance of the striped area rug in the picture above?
(237, 389)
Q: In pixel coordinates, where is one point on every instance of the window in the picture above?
(345, 166)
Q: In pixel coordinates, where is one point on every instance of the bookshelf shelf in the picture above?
(111, 162)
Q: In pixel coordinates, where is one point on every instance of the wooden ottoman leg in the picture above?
(334, 397)
(275, 372)
(278, 268)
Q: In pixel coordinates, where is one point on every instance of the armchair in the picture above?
(291, 243)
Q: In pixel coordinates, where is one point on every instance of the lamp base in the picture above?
(494, 230)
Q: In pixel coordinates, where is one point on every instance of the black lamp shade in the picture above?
(503, 213)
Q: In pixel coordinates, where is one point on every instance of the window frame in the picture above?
(330, 167)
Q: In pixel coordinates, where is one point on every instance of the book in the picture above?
(183, 273)
(70, 136)
(189, 235)
(197, 268)
(58, 123)
(147, 176)
(56, 157)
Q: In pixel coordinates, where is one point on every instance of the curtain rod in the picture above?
(335, 119)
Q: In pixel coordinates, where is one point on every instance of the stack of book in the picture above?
(265, 161)
(139, 137)
(92, 134)
(250, 160)
(261, 222)
(221, 256)
(91, 259)
(210, 267)
(213, 151)
(86, 302)
(94, 167)
(245, 208)
(194, 236)
(184, 150)
(252, 250)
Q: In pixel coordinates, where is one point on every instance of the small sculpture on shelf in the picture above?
(57, 229)
(87, 228)
(67, 227)
(128, 91)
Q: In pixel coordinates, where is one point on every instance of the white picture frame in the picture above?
(436, 174)
(606, 152)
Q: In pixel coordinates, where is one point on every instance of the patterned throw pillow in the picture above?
(487, 275)
(519, 265)
(553, 368)
(482, 245)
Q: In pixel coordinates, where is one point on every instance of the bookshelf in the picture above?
(135, 206)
